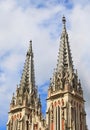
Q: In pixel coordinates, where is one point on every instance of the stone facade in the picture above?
(25, 108)
(65, 102)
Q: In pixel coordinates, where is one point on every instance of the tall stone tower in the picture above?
(65, 102)
(25, 108)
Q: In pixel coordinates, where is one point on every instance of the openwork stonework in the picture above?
(65, 102)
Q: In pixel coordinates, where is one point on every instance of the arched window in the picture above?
(73, 112)
(58, 117)
(27, 125)
(49, 118)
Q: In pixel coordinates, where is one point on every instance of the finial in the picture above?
(30, 48)
(64, 20)
(30, 41)
(64, 24)
(31, 45)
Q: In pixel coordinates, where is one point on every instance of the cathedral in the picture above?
(65, 102)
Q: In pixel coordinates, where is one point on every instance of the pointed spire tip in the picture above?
(30, 41)
(31, 45)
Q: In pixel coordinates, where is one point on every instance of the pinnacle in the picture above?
(29, 52)
(28, 71)
(64, 55)
(64, 74)
(31, 45)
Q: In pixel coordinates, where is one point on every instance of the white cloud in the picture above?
(18, 25)
(80, 44)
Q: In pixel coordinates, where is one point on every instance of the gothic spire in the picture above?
(64, 55)
(28, 77)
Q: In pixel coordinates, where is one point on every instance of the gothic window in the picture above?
(27, 125)
(49, 118)
(15, 125)
(63, 124)
(80, 121)
(73, 113)
(58, 118)
(62, 102)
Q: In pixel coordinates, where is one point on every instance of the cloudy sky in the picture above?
(41, 21)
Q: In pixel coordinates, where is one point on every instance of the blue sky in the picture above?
(40, 20)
